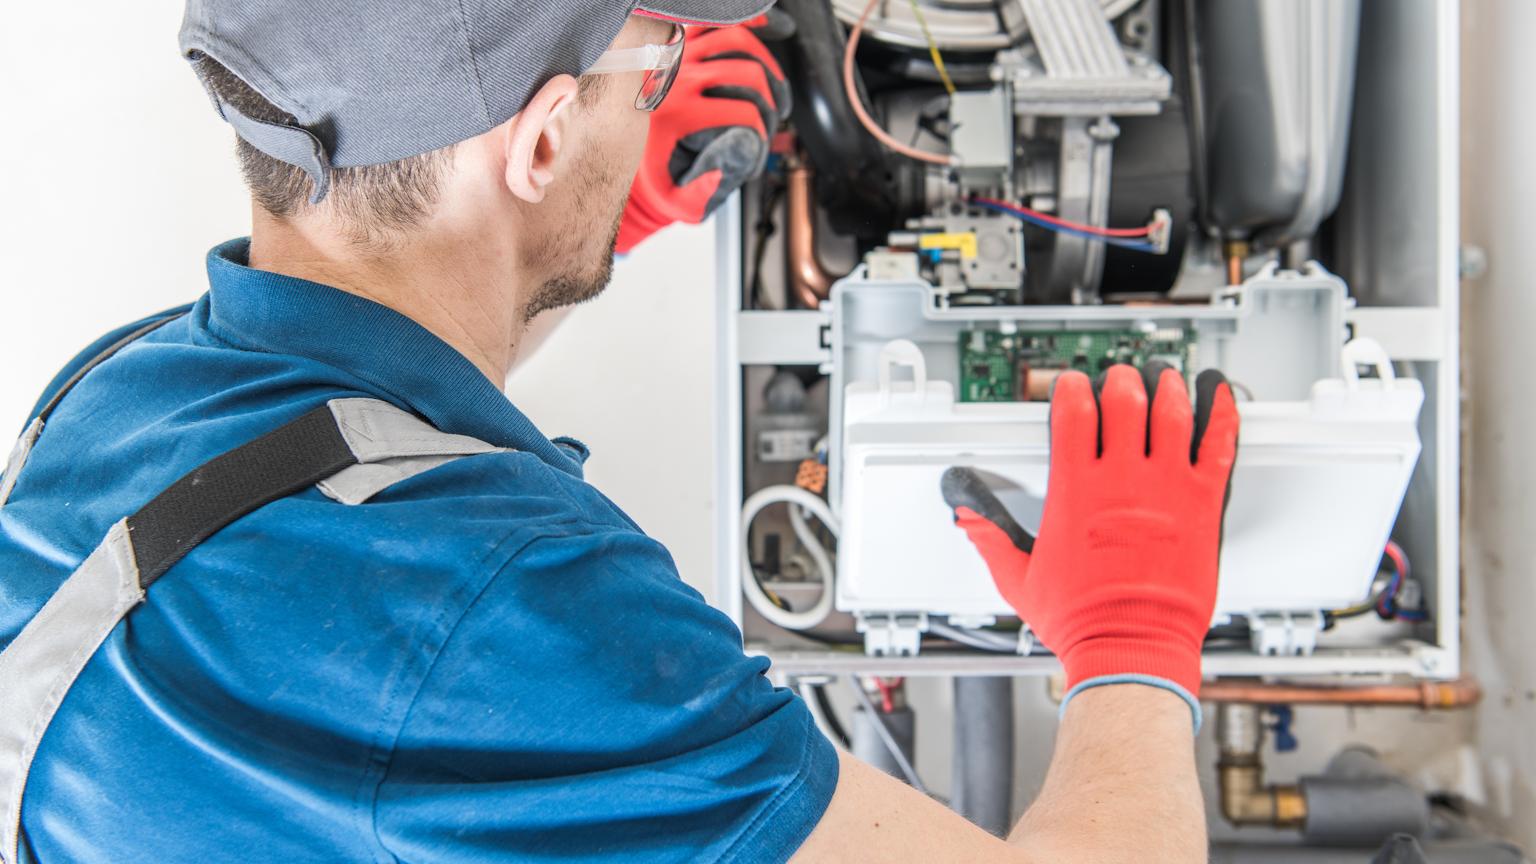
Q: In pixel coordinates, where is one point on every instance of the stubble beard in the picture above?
(582, 259)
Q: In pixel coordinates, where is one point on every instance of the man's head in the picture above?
(442, 126)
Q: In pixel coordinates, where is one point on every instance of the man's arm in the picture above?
(1121, 585)
(1122, 784)
(1122, 787)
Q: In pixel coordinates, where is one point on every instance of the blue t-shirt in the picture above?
(486, 662)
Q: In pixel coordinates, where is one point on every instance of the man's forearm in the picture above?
(1121, 788)
(1122, 783)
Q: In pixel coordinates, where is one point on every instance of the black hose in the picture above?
(854, 174)
(828, 714)
(764, 229)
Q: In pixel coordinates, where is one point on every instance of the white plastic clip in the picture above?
(896, 634)
(1364, 351)
(1284, 634)
(902, 352)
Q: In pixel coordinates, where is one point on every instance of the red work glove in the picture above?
(710, 136)
(1121, 582)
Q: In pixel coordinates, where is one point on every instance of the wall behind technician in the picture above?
(125, 177)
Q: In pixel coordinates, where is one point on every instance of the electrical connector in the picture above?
(812, 476)
(1160, 230)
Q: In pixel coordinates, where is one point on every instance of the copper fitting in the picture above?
(809, 281)
(1235, 251)
(1245, 800)
(1429, 695)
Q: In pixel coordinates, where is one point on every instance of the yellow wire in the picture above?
(933, 48)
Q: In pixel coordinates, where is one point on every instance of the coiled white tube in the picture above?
(798, 499)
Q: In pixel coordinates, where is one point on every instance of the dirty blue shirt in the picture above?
(487, 662)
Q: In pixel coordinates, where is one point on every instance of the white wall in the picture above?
(118, 177)
(631, 375)
(1498, 185)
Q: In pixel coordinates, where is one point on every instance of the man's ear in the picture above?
(534, 138)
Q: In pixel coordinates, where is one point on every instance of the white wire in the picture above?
(812, 545)
(975, 638)
(798, 498)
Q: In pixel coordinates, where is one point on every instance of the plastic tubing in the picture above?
(797, 498)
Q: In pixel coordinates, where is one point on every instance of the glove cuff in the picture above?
(1149, 680)
(1166, 656)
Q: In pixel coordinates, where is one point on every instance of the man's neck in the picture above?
(445, 284)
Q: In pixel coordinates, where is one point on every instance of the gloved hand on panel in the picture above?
(710, 136)
(1121, 581)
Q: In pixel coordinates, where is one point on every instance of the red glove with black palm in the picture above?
(1121, 582)
(710, 136)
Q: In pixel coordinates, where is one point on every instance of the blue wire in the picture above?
(1387, 607)
(1136, 245)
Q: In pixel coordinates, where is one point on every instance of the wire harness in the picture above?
(1151, 238)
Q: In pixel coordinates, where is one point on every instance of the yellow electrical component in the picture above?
(964, 242)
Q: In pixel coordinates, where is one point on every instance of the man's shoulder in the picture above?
(501, 496)
(180, 397)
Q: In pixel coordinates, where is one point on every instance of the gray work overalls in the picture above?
(352, 449)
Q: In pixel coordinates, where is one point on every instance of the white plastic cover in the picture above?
(1315, 490)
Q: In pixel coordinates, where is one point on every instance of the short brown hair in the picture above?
(373, 201)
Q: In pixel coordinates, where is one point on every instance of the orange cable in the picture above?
(865, 120)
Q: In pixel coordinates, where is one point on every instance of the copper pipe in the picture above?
(810, 281)
(1235, 251)
(1461, 693)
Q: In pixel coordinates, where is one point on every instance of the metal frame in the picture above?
(728, 408)
(1448, 392)
(1326, 662)
(1417, 333)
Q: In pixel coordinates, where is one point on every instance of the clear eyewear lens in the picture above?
(658, 62)
(654, 89)
(658, 81)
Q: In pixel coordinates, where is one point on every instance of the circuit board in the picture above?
(1021, 366)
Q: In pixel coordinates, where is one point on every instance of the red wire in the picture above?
(1399, 560)
(1143, 231)
(886, 704)
(887, 688)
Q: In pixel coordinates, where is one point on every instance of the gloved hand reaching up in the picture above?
(1121, 582)
(710, 136)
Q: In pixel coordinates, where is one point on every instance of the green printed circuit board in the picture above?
(1021, 366)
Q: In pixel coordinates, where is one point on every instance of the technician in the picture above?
(386, 619)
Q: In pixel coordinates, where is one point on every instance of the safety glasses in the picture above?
(658, 62)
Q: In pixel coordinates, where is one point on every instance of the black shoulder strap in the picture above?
(298, 454)
(216, 493)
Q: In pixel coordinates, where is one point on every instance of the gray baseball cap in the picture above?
(372, 81)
